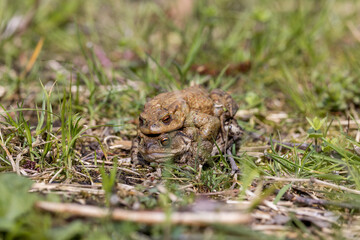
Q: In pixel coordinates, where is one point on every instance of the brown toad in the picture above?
(175, 145)
(190, 120)
(170, 111)
(184, 146)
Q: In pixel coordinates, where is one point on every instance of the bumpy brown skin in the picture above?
(163, 147)
(191, 107)
(224, 104)
(193, 120)
(181, 146)
(184, 146)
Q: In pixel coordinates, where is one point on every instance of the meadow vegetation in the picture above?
(74, 75)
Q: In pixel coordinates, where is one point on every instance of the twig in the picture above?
(302, 146)
(234, 167)
(147, 217)
(314, 180)
(311, 201)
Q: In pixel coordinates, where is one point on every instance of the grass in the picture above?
(73, 76)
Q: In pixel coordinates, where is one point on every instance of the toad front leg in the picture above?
(208, 125)
(135, 155)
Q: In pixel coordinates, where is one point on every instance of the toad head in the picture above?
(162, 147)
(160, 117)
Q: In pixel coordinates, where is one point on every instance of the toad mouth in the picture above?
(159, 157)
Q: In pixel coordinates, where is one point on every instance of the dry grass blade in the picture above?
(13, 164)
(33, 58)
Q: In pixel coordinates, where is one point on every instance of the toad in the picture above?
(170, 111)
(184, 146)
(175, 145)
(184, 125)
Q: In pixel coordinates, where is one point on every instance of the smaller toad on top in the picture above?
(191, 107)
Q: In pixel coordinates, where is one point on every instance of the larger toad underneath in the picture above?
(183, 146)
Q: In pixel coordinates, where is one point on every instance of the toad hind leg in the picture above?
(208, 125)
(225, 107)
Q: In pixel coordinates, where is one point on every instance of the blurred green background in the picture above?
(296, 56)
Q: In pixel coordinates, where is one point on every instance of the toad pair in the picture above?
(184, 126)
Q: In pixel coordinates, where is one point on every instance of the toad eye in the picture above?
(141, 121)
(166, 119)
(165, 141)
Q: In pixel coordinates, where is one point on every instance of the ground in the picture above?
(74, 76)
